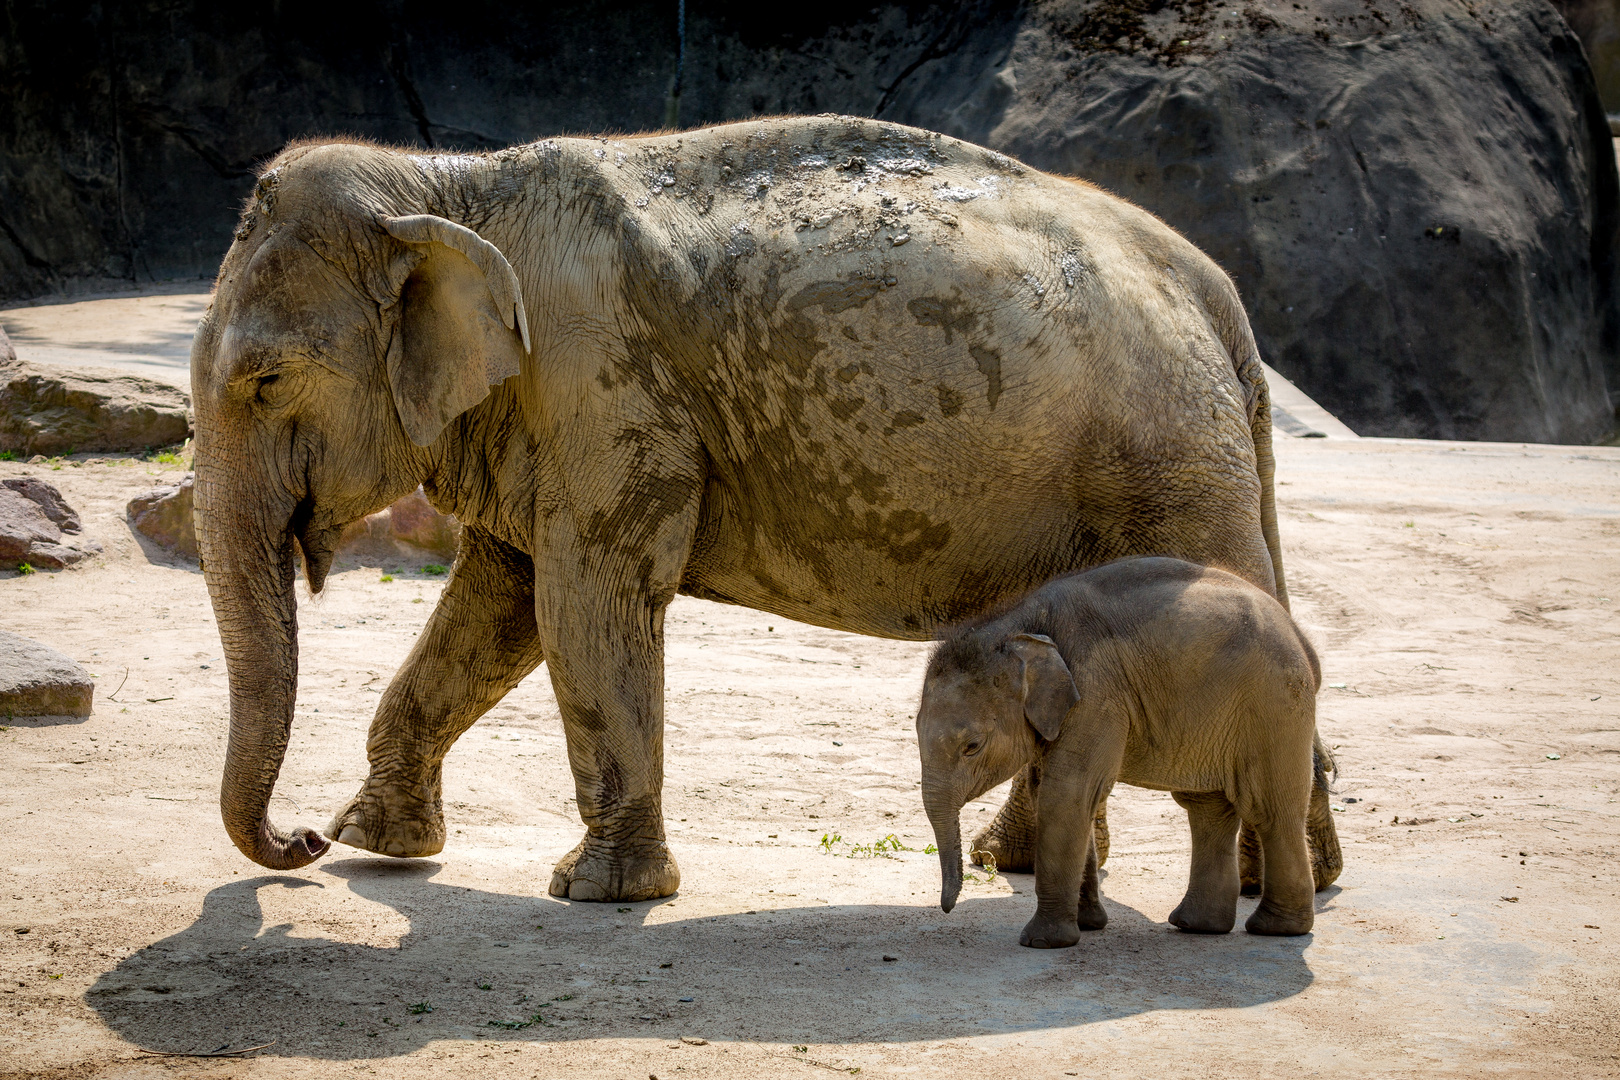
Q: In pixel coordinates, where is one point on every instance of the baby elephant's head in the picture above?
(985, 702)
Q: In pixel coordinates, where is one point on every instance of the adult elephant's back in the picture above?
(1050, 380)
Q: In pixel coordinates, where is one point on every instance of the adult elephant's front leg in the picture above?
(479, 643)
(601, 597)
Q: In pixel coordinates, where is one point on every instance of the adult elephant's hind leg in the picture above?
(1009, 840)
(478, 644)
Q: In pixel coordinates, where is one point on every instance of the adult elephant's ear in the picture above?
(462, 328)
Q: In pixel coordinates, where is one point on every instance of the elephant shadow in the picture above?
(481, 965)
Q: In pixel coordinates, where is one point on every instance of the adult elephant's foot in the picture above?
(598, 871)
(1327, 860)
(391, 819)
(1010, 840)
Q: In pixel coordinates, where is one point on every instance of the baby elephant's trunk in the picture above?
(945, 816)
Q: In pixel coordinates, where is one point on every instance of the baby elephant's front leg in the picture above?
(1068, 895)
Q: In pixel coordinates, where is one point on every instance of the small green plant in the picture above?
(830, 839)
(435, 569)
(564, 997)
(386, 578)
(421, 1007)
(24, 568)
(343, 1023)
(417, 600)
(801, 1049)
(519, 1025)
(8, 455)
(1408, 524)
(989, 866)
(485, 986)
(930, 850)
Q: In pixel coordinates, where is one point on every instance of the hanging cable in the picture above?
(672, 104)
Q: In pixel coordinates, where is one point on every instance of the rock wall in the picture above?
(1418, 201)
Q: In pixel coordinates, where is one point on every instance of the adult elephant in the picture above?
(855, 374)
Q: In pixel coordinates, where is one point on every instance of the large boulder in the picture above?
(36, 680)
(63, 410)
(409, 531)
(1419, 205)
(37, 527)
(1418, 200)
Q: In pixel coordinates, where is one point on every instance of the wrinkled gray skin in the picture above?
(855, 374)
(1152, 671)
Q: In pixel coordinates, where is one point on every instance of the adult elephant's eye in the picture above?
(970, 749)
(265, 387)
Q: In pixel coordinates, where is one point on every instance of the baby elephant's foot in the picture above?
(389, 820)
(1200, 916)
(1272, 919)
(1043, 932)
(1092, 915)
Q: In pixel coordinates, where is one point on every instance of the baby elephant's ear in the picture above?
(1049, 691)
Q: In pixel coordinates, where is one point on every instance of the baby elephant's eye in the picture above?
(970, 749)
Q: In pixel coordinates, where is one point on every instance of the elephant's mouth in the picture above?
(317, 543)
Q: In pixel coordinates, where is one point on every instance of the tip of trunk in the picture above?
(951, 883)
(275, 850)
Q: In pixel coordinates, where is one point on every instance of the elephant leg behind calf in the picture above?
(479, 643)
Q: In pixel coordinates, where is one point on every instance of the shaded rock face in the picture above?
(409, 531)
(36, 680)
(1418, 204)
(57, 410)
(38, 528)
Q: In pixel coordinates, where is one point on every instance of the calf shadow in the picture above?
(475, 964)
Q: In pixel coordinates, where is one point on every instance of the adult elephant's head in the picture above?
(349, 326)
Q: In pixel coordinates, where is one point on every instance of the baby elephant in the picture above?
(1153, 671)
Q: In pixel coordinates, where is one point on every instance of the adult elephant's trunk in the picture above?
(944, 813)
(247, 548)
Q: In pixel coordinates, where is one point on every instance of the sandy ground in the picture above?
(1466, 600)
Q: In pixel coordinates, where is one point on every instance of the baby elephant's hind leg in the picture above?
(1287, 902)
(1210, 906)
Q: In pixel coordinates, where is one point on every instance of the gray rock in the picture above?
(33, 518)
(48, 499)
(410, 530)
(46, 410)
(36, 680)
(163, 515)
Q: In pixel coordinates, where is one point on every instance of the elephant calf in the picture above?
(1155, 671)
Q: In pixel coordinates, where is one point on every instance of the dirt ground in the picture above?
(1466, 601)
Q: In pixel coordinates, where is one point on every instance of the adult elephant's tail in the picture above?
(1327, 861)
(1246, 359)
